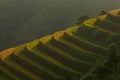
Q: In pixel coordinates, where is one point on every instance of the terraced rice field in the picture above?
(62, 55)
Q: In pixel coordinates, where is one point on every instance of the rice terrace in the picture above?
(65, 54)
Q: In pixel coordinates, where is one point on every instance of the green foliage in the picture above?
(61, 56)
(103, 12)
(106, 70)
(81, 19)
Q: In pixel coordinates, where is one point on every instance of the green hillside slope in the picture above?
(62, 55)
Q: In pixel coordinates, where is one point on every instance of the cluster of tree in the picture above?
(82, 18)
(109, 69)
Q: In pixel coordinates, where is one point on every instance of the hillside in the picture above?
(33, 18)
(65, 53)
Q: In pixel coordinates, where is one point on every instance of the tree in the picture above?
(106, 70)
(103, 12)
(81, 19)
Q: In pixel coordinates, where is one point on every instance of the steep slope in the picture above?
(32, 18)
(62, 55)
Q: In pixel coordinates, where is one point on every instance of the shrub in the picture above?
(81, 19)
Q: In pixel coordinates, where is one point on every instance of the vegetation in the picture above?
(107, 69)
(81, 19)
(103, 12)
(67, 54)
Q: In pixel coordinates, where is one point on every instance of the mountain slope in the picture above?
(62, 55)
